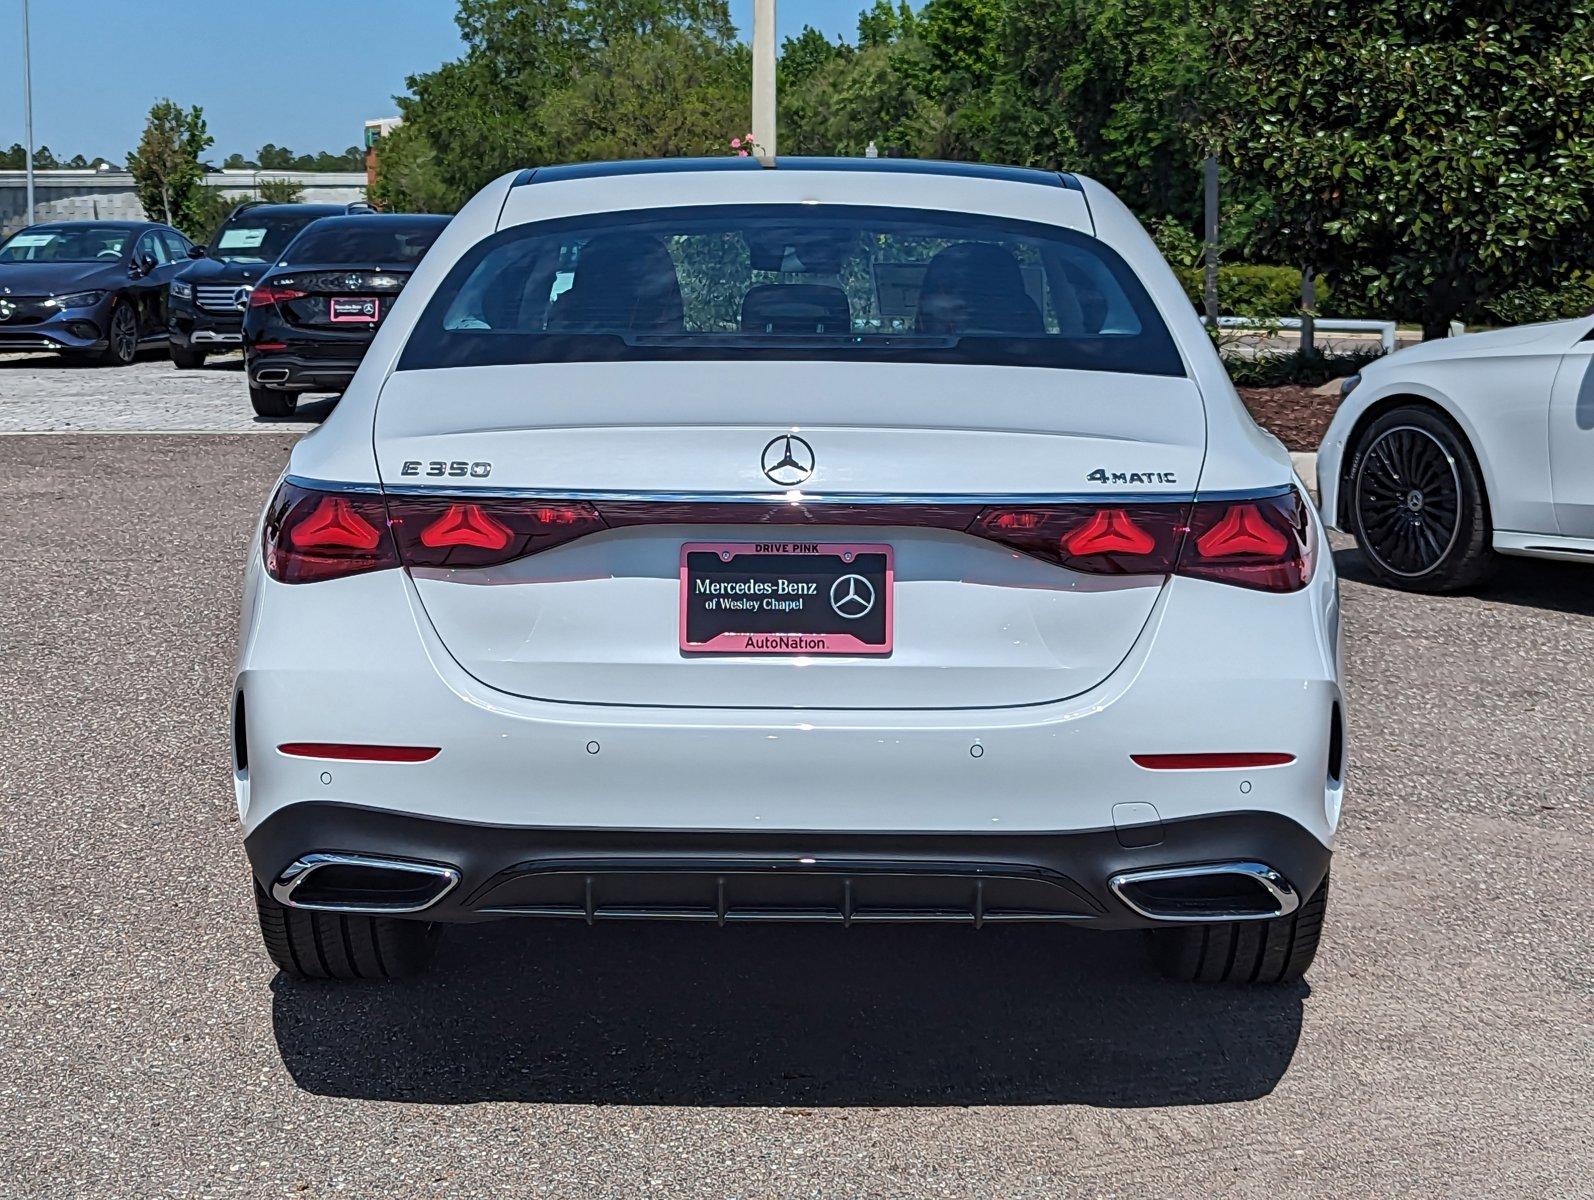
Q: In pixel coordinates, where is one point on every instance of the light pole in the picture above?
(764, 80)
(27, 104)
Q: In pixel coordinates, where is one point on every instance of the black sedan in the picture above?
(312, 316)
(93, 290)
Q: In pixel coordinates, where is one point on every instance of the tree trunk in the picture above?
(1308, 308)
(1435, 325)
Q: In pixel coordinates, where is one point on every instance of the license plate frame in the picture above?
(358, 317)
(827, 611)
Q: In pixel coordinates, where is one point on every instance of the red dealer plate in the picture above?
(354, 308)
(786, 598)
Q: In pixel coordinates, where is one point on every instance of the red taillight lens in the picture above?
(1264, 544)
(311, 535)
(466, 525)
(265, 294)
(1140, 539)
(458, 533)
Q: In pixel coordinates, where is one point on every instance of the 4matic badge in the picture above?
(1100, 475)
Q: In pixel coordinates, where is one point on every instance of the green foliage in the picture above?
(1310, 368)
(280, 191)
(165, 166)
(205, 210)
(804, 56)
(271, 157)
(16, 159)
(865, 97)
(1440, 149)
(1574, 297)
(885, 23)
(407, 178)
(1112, 88)
(551, 80)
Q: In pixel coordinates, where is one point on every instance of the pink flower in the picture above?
(741, 154)
(736, 143)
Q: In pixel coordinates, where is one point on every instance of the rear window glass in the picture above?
(793, 282)
(385, 242)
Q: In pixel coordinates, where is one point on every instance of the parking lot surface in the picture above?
(147, 1049)
(47, 393)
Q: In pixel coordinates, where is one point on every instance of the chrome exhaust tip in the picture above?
(272, 375)
(362, 883)
(1230, 891)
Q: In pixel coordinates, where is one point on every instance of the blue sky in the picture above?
(300, 73)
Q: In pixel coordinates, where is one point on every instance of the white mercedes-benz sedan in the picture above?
(1444, 455)
(845, 541)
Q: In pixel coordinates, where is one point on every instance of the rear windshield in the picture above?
(258, 237)
(793, 282)
(351, 241)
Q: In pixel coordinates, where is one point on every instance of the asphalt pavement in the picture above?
(147, 1048)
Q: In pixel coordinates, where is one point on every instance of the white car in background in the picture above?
(1445, 454)
(850, 541)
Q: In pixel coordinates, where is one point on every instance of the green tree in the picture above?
(280, 191)
(885, 23)
(166, 169)
(407, 179)
(804, 56)
(868, 96)
(1116, 89)
(963, 47)
(1440, 150)
(499, 107)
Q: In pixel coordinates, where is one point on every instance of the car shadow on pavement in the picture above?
(639, 1013)
(1531, 583)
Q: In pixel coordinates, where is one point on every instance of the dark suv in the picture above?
(313, 314)
(209, 296)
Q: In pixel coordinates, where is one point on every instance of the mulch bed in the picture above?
(1296, 415)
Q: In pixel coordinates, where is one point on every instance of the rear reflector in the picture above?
(1209, 762)
(356, 752)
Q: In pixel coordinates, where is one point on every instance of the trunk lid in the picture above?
(599, 619)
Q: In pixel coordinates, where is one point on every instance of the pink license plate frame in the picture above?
(763, 643)
(354, 318)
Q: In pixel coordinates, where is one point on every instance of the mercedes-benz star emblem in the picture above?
(852, 596)
(788, 460)
(240, 298)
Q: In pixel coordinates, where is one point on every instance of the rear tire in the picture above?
(185, 359)
(1276, 951)
(344, 946)
(269, 403)
(1417, 504)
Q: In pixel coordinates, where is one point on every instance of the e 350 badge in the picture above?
(455, 469)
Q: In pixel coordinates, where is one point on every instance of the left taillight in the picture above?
(313, 535)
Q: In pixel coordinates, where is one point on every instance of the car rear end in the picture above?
(807, 544)
(311, 318)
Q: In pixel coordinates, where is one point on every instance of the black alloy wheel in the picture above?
(121, 336)
(1417, 505)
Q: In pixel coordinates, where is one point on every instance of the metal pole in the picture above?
(1211, 269)
(27, 103)
(764, 80)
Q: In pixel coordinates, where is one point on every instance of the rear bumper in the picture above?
(292, 373)
(731, 876)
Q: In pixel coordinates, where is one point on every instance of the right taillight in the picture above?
(312, 535)
(1263, 543)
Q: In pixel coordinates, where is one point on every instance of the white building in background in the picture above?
(91, 194)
